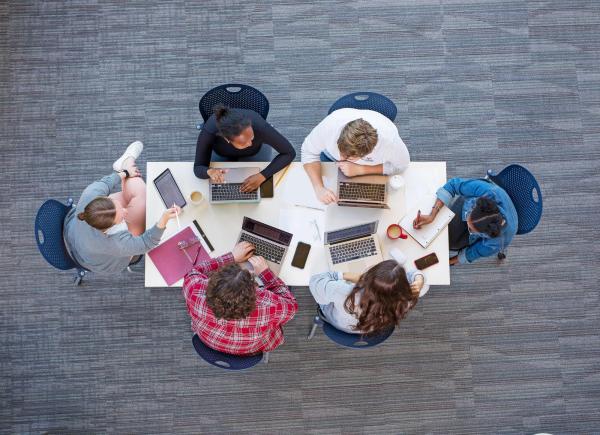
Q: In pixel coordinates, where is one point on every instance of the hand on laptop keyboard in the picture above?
(259, 264)
(252, 183)
(242, 251)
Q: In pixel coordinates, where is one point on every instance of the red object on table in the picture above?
(172, 262)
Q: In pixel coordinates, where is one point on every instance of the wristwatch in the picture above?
(126, 173)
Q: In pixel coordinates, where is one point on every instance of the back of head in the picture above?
(230, 122)
(486, 217)
(385, 297)
(99, 213)
(357, 139)
(231, 293)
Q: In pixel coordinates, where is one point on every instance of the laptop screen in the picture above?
(267, 231)
(350, 233)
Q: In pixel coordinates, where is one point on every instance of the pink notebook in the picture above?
(172, 262)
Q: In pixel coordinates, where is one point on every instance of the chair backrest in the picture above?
(49, 234)
(367, 101)
(524, 190)
(355, 341)
(234, 95)
(224, 360)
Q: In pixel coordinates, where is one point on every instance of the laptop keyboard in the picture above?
(232, 192)
(353, 250)
(362, 191)
(269, 251)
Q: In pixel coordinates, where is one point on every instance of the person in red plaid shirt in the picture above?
(230, 313)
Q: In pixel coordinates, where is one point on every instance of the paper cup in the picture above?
(196, 197)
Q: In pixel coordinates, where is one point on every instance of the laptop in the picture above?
(229, 191)
(270, 243)
(363, 191)
(353, 248)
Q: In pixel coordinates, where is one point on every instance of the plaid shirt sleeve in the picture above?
(286, 306)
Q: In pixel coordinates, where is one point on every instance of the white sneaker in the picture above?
(133, 150)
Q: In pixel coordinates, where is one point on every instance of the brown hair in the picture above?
(99, 213)
(231, 293)
(385, 297)
(357, 139)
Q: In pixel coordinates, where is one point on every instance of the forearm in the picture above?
(371, 169)
(436, 207)
(278, 163)
(313, 170)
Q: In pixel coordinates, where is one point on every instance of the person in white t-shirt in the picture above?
(363, 142)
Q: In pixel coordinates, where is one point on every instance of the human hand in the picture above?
(258, 263)
(325, 195)
(350, 169)
(253, 182)
(453, 260)
(167, 215)
(422, 219)
(216, 175)
(351, 277)
(242, 251)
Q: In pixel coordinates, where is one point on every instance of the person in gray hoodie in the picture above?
(107, 229)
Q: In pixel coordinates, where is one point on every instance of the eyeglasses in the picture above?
(184, 244)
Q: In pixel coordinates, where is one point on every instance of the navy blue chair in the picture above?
(49, 237)
(233, 95)
(355, 341)
(525, 193)
(227, 361)
(367, 101)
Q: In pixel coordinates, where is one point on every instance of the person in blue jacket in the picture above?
(485, 218)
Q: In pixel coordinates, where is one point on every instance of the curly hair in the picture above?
(486, 217)
(231, 293)
(385, 298)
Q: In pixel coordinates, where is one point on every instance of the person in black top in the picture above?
(239, 134)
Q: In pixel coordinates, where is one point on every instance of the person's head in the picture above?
(357, 139)
(384, 297)
(485, 218)
(234, 126)
(102, 213)
(231, 293)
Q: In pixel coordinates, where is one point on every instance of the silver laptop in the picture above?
(353, 249)
(269, 242)
(363, 191)
(229, 191)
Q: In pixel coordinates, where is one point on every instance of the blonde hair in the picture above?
(99, 213)
(357, 139)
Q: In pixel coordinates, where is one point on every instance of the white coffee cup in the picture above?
(396, 182)
(398, 255)
(196, 197)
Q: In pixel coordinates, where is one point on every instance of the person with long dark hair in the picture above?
(370, 303)
(485, 218)
(240, 135)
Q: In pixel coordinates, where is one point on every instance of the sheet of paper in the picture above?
(426, 234)
(298, 189)
(305, 224)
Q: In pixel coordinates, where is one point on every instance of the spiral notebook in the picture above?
(426, 234)
(173, 263)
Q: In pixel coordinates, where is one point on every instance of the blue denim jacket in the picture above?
(481, 245)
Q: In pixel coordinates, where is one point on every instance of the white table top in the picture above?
(222, 223)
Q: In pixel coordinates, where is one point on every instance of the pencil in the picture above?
(283, 174)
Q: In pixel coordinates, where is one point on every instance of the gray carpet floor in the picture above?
(510, 348)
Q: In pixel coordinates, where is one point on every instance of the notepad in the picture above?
(174, 263)
(298, 189)
(427, 233)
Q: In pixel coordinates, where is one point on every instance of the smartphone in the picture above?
(266, 189)
(169, 190)
(301, 255)
(425, 262)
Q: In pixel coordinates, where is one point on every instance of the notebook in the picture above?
(426, 234)
(172, 262)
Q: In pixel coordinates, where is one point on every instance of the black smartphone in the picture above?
(169, 190)
(425, 262)
(266, 189)
(301, 254)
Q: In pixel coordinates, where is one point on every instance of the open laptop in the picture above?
(353, 248)
(270, 243)
(229, 191)
(362, 191)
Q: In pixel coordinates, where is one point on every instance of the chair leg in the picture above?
(78, 279)
(266, 357)
(316, 323)
(501, 255)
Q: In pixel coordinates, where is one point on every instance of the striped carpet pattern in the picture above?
(507, 348)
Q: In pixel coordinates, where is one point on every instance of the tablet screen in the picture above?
(168, 190)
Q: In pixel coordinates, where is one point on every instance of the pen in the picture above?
(308, 206)
(314, 221)
(283, 174)
(210, 246)
(177, 216)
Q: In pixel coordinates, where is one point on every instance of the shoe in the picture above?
(133, 150)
